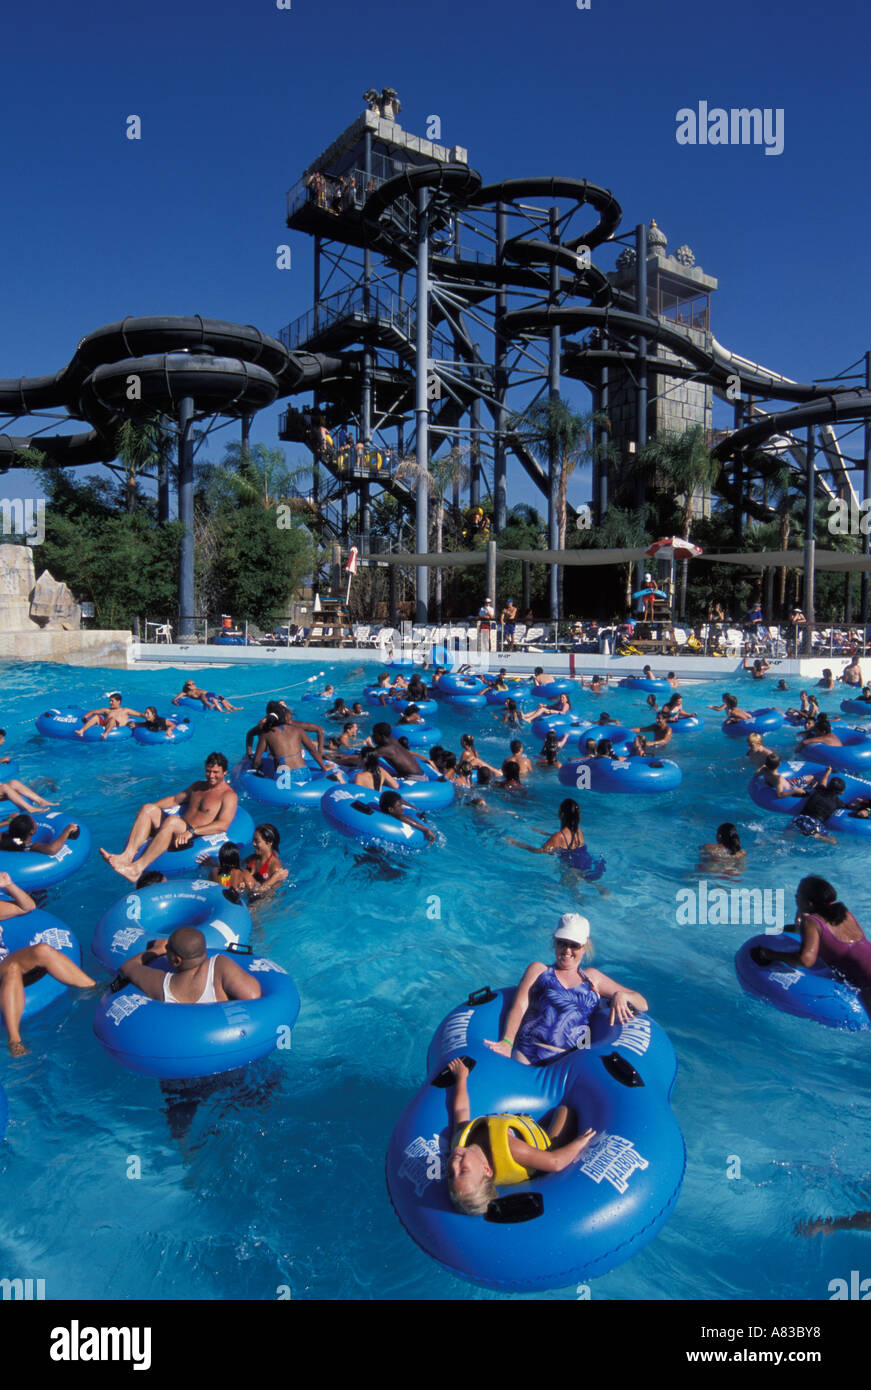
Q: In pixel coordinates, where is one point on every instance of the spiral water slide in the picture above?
(141, 365)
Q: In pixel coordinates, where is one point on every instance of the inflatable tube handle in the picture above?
(115, 986)
(238, 948)
(514, 1208)
(621, 1070)
(481, 996)
(364, 807)
(445, 1077)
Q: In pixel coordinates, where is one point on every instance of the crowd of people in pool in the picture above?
(553, 1003)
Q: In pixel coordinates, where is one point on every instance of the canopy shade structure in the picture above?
(753, 559)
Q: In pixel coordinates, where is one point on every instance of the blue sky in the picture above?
(235, 99)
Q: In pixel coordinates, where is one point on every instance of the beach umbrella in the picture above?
(673, 548)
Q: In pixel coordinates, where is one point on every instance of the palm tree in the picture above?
(621, 529)
(142, 448)
(567, 438)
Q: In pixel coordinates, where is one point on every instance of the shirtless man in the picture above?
(275, 712)
(660, 729)
(521, 759)
(821, 732)
(782, 785)
(286, 742)
(194, 977)
(209, 808)
(113, 716)
(209, 699)
(852, 672)
(402, 761)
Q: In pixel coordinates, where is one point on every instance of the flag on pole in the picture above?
(351, 570)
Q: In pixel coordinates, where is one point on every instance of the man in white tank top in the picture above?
(194, 977)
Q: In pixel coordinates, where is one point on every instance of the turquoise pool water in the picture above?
(275, 1185)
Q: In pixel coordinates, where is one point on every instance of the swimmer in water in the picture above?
(726, 851)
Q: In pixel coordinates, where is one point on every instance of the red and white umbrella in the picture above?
(673, 548)
(351, 570)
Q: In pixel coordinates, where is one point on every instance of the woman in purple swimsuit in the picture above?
(830, 933)
(554, 1003)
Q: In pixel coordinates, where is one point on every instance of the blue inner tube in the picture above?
(154, 1038)
(582, 1222)
(183, 730)
(63, 722)
(685, 726)
(354, 812)
(434, 793)
(29, 930)
(373, 693)
(518, 691)
(860, 707)
(29, 870)
(633, 775)
(140, 917)
(651, 684)
(183, 863)
(311, 696)
(551, 689)
(842, 823)
(560, 723)
(228, 641)
(853, 756)
(9, 770)
(579, 732)
(763, 721)
(291, 787)
(427, 708)
(418, 735)
(452, 684)
(469, 700)
(814, 992)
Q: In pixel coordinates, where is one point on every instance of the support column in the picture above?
(600, 494)
(421, 404)
(491, 571)
(641, 395)
(738, 510)
(553, 453)
(808, 605)
(500, 381)
(186, 516)
(475, 454)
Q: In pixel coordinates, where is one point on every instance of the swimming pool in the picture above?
(273, 1184)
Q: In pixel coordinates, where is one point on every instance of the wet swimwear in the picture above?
(259, 871)
(852, 959)
(556, 1017)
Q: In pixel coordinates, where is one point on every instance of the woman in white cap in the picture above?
(554, 1003)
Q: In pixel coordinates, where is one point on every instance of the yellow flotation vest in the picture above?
(499, 1127)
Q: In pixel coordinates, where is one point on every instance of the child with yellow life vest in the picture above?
(501, 1150)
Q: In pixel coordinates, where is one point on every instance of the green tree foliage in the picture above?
(121, 562)
(251, 552)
